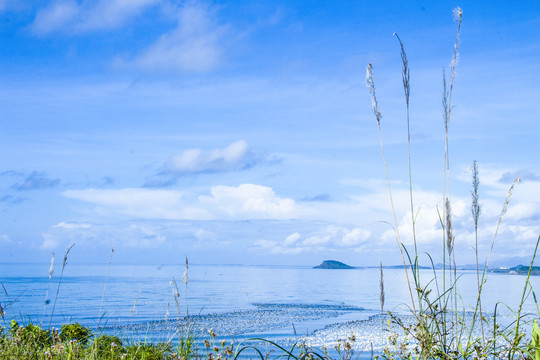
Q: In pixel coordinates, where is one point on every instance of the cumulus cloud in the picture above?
(71, 226)
(235, 157)
(332, 238)
(74, 17)
(247, 201)
(143, 203)
(36, 181)
(196, 44)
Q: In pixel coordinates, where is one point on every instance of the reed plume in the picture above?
(176, 295)
(135, 303)
(382, 291)
(185, 279)
(475, 210)
(47, 301)
(406, 79)
(64, 263)
(447, 109)
(449, 232)
(503, 212)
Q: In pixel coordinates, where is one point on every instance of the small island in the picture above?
(518, 270)
(333, 264)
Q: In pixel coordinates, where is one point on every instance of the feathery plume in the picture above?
(405, 75)
(449, 235)
(51, 268)
(508, 196)
(47, 301)
(176, 295)
(475, 207)
(382, 290)
(175, 291)
(64, 263)
(458, 15)
(135, 303)
(371, 85)
(185, 276)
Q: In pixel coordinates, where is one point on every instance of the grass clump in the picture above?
(443, 328)
(75, 341)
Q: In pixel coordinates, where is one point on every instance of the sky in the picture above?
(241, 132)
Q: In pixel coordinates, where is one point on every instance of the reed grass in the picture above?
(440, 329)
(64, 263)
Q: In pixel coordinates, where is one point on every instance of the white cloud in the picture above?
(196, 44)
(329, 239)
(65, 225)
(144, 203)
(73, 17)
(524, 210)
(234, 156)
(56, 16)
(292, 239)
(247, 201)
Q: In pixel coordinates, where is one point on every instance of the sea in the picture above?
(240, 303)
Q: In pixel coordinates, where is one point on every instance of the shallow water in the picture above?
(281, 304)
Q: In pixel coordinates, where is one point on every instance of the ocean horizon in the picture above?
(279, 303)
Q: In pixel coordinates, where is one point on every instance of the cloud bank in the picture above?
(246, 201)
(195, 44)
(235, 157)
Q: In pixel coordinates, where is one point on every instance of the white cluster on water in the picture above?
(275, 322)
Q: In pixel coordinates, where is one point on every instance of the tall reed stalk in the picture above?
(447, 109)
(435, 334)
(46, 302)
(105, 288)
(371, 85)
(475, 210)
(64, 263)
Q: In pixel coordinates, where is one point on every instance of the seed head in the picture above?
(51, 269)
(449, 232)
(370, 83)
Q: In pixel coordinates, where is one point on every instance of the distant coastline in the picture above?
(515, 270)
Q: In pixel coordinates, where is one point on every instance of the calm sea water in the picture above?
(244, 301)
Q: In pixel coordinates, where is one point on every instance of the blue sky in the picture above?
(242, 132)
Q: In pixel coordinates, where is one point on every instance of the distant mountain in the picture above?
(513, 261)
(333, 264)
(518, 270)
